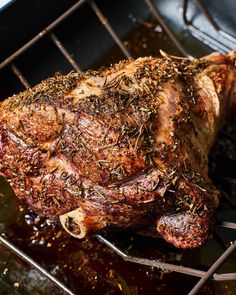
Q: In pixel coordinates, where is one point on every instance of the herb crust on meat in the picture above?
(122, 147)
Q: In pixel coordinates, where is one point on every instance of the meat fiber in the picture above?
(122, 147)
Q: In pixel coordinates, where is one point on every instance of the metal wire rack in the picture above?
(219, 40)
(223, 43)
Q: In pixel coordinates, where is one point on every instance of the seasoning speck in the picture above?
(16, 285)
(5, 271)
(21, 209)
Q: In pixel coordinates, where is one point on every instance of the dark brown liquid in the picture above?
(89, 267)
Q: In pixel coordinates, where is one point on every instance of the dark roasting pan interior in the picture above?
(89, 267)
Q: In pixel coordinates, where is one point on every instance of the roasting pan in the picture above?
(89, 266)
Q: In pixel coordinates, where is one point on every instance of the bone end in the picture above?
(73, 223)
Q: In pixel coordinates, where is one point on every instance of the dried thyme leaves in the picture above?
(127, 106)
(51, 90)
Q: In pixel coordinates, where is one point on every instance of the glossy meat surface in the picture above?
(123, 147)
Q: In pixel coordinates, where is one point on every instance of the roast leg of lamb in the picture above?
(122, 147)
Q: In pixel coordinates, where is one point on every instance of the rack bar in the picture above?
(34, 264)
(224, 45)
(227, 36)
(225, 277)
(41, 34)
(109, 28)
(167, 28)
(207, 14)
(63, 50)
(184, 15)
(213, 268)
(19, 75)
(227, 224)
(164, 265)
(213, 22)
(208, 40)
(148, 262)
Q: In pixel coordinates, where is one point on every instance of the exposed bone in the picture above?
(73, 223)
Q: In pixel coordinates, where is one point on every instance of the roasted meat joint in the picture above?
(125, 147)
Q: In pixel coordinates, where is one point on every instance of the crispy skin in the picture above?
(123, 147)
